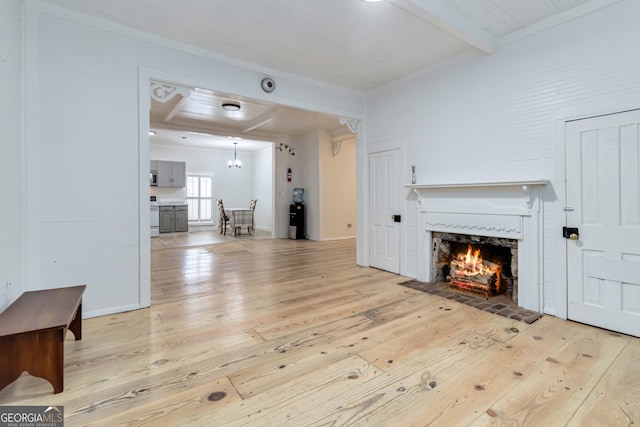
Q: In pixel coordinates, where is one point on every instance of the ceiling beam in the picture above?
(261, 121)
(175, 110)
(450, 21)
(220, 132)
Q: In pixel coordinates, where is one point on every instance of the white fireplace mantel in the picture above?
(524, 185)
(509, 209)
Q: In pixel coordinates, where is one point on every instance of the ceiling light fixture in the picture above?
(231, 106)
(152, 132)
(372, 1)
(235, 162)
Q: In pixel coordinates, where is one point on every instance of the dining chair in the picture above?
(252, 206)
(224, 218)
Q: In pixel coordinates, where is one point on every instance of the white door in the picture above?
(384, 179)
(603, 189)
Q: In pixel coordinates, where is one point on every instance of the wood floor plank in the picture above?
(306, 316)
(487, 379)
(338, 345)
(276, 405)
(202, 402)
(615, 400)
(401, 389)
(278, 332)
(561, 383)
(439, 323)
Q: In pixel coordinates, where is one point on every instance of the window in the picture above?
(199, 198)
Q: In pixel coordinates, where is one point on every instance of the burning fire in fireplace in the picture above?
(468, 271)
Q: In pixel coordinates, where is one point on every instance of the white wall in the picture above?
(284, 189)
(263, 188)
(329, 185)
(236, 187)
(306, 175)
(492, 118)
(11, 244)
(337, 188)
(87, 146)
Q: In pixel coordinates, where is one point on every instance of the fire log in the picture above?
(469, 271)
(461, 265)
(484, 279)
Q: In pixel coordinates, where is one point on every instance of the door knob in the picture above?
(570, 233)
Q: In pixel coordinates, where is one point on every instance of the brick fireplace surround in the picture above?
(511, 210)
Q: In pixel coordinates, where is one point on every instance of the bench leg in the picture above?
(10, 368)
(40, 353)
(76, 324)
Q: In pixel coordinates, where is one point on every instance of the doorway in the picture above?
(276, 122)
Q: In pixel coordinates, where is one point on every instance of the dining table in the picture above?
(240, 217)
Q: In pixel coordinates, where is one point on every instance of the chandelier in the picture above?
(235, 162)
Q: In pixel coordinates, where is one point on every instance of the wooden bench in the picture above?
(32, 332)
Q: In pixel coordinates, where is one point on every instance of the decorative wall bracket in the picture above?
(354, 127)
(336, 146)
(337, 141)
(163, 92)
(352, 124)
(419, 197)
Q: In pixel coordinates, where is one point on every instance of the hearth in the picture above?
(483, 265)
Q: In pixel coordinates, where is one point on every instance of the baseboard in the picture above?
(203, 227)
(110, 310)
(337, 238)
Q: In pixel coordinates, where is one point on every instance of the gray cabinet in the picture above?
(182, 218)
(171, 174)
(178, 174)
(174, 218)
(167, 219)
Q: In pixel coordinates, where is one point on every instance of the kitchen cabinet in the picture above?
(167, 219)
(174, 218)
(182, 218)
(171, 174)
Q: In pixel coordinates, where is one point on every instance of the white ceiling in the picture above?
(348, 43)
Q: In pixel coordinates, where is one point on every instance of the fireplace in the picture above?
(503, 219)
(487, 266)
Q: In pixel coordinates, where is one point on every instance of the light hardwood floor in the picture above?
(272, 332)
